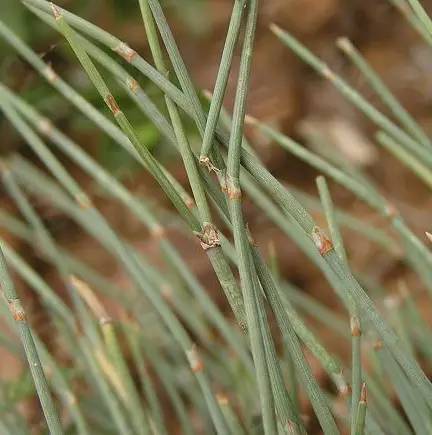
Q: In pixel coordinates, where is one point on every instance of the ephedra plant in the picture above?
(177, 363)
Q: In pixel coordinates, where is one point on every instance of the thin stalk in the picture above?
(245, 265)
(47, 243)
(222, 79)
(355, 323)
(186, 83)
(116, 45)
(97, 376)
(121, 119)
(356, 374)
(383, 92)
(410, 161)
(303, 369)
(102, 232)
(288, 367)
(230, 415)
(209, 233)
(287, 417)
(305, 302)
(415, 407)
(79, 102)
(343, 178)
(293, 208)
(155, 407)
(133, 402)
(227, 280)
(165, 374)
(421, 14)
(55, 303)
(288, 203)
(361, 412)
(365, 229)
(412, 18)
(353, 96)
(329, 211)
(420, 329)
(413, 246)
(43, 152)
(289, 321)
(385, 409)
(63, 389)
(18, 314)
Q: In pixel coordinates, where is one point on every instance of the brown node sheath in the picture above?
(112, 104)
(233, 193)
(194, 359)
(321, 241)
(132, 84)
(378, 345)
(222, 399)
(205, 161)
(342, 386)
(126, 52)
(355, 326)
(209, 237)
(363, 393)
(56, 11)
(17, 310)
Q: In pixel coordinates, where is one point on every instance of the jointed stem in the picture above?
(17, 311)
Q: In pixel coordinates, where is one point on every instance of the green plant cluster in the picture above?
(177, 363)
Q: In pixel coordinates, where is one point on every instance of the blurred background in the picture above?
(284, 93)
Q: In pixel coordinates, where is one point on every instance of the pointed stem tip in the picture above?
(344, 44)
(275, 29)
(250, 120)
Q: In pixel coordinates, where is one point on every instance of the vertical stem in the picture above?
(209, 233)
(355, 325)
(246, 268)
(17, 311)
(222, 79)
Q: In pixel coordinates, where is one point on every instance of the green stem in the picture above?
(18, 313)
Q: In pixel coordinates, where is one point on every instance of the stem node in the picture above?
(205, 161)
(209, 237)
(355, 326)
(321, 241)
(194, 359)
(127, 53)
(17, 310)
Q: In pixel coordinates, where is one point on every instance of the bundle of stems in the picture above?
(218, 373)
